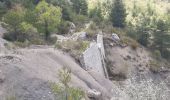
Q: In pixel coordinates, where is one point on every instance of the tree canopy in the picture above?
(49, 17)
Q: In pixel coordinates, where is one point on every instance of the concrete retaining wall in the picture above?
(94, 56)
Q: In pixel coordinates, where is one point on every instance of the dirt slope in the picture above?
(132, 69)
(27, 73)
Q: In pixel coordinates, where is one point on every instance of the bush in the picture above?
(52, 40)
(75, 48)
(22, 44)
(11, 98)
(157, 54)
(63, 91)
(79, 20)
(130, 42)
(58, 45)
(64, 27)
(154, 66)
(78, 46)
(166, 54)
(92, 30)
(10, 36)
(96, 15)
(132, 33)
(9, 46)
(38, 41)
(27, 32)
(134, 45)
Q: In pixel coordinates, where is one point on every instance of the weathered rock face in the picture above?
(93, 94)
(2, 77)
(93, 57)
(79, 36)
(132, 68)
(28, 73)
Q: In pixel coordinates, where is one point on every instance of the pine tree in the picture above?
(118, 14)
(80, 6)
(161, 37)
(83, 7)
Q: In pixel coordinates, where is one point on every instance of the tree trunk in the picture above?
(46, 31)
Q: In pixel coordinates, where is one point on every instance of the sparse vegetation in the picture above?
(118, 14)
(155, 66)
(63, 91)
(71, 45)
(11, 97)
(134, 45)
(142, 27)
(92, 30)
(157, 54)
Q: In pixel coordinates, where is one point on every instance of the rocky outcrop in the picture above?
(94, 57)
(28, 73)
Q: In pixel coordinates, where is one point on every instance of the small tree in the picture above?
(66, 92)
(49, 17)
(27, 32)
(118, 14)
(96, 14)
(13, 19)
(80, 6)
(83, 7)
(161, 37)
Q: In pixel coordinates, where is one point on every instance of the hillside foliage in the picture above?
(146, 21)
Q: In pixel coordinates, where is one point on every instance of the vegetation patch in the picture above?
(155, 66)
(63, 91)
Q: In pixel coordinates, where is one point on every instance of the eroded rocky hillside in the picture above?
(27, 74)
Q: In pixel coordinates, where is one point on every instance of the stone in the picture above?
(60, 38)
(72, 28)
(83, 35)
(94, 94)
(2, 77)
(94, 57)
(79, 36)
(115, 37)
(128, 57)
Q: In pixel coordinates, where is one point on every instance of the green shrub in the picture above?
(11, 98)
(79, 20)
(9, 46)
(38, 41)
(157, 54)
(155, 66)
(78, 46)
(128, 41)
(64, 27)
(27, 32)
(166, 54)
(92, 30)
(83, 46)
(58, 45)
(52, 40)
(22, 44)
(132, 33)
(10, 36)
(63, 91)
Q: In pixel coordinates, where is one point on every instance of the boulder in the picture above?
(79, 36)
(2, 77)
(72, 27)
(115, 37)
(94, 94)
